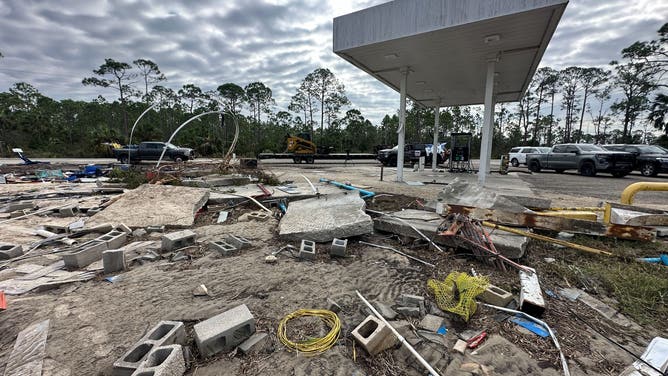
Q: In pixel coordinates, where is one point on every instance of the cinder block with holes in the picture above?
(56, 229)
(496, 296)
(259, 216)
(69, 211)
(164, 333)
(225, 331)
(338, 247)
(85, 254)
(113, 260)
(222, 247)
(373, 335)
(307, 250)
(9, 251)
(238, 242)
(114, 239)
(163, 361)
(178, 239)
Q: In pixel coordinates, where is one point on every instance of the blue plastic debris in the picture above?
(442, 330)
(114, 278)
(531, 326)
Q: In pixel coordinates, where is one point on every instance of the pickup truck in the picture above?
(588, 159)
(650, 159)
(151, 151)
(412, 153)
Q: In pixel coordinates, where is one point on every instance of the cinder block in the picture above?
(224, 331)
(238, 242)
(256, 343)
(259, 216)
(164, 333)
(69, 211)
(56, 229)
(373, 335)
(178, 239)
(123, 227)
(92, 211)
(409, 311)
(338, 247)
(85, 254)
(114, 239)
(155, 229)
(9, 251)
(222, 247)
(307, 250)
(163, 361)
(496, 296)
(113, 260)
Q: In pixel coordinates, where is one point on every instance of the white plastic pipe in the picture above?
(399, 337)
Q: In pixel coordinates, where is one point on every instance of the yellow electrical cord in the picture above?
(312, 346)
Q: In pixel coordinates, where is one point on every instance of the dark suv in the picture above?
(412, 154)
(650, 159)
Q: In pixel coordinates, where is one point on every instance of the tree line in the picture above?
(624, 102)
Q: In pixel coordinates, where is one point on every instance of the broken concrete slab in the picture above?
(154, 205)
(10, 251)
(510, 245)
(29, 349)
(637, 217)
(326, 218)
(607, 311)
(463, 193)
(431, 323)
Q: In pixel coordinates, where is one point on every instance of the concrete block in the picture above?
(496, 296)
(307, 250)
(124, 228)
(338, 247)
(150, 229)
(9, 251)
(138, 233)
(56, 229)
(409, 311)
(333, 306)
(114, 239)
(259, 216)
(178, 239)
(16, 206)
(256, 343)
(431, 323)
(113, 260)
(92, 211)
(373, 335)
(238, 242)
(162, 334)
(69, 211)
(101, 228)
(225, 331)
(85, 254)
(222, 247)
(163, 361)
(531, 296)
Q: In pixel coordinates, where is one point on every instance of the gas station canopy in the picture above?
(446, 44)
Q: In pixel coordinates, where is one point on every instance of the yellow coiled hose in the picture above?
(312, 346)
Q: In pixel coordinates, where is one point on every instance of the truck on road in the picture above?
(587, 159)
(152, 150)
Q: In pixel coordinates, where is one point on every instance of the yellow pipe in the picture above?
(631, 190)
(586, 208)
(575, 214)
(579, 247)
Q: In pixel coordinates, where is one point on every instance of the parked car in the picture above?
(151, 151)
(588, 159)
(518, 155)
(412, 153)
(650, 159)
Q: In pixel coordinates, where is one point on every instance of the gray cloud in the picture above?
(53, 45)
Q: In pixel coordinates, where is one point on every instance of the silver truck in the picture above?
(587, 159)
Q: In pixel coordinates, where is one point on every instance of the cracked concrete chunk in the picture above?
(29, 349)
(323, 219)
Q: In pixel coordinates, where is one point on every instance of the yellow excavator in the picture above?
(302, 148)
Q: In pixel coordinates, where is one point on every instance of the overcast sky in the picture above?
(54, 44)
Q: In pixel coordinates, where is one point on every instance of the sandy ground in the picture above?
(94, 323)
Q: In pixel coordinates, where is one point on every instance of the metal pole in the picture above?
(402, 123)
(135, 124)
(434, 148)
(178, 129)
(399, 337)
(487, 126)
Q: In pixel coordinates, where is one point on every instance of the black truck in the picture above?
(650, 159)
(151, 151)
(412, 154)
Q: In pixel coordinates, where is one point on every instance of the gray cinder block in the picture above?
(225, 331)
(258, 216)
(85, 254)
(255, 343)
(178, 239)
(114, 239)
(373, 335)
(496, 296)
(9, 251)
(163, 361)
(338, 247)
(222, 247)
(69, 211)
(307, 250)
(113, 260)
(238, 241)
(164, 333)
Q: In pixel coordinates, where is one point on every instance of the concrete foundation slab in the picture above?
(323, 219)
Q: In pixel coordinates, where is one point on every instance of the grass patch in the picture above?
(132, 178)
